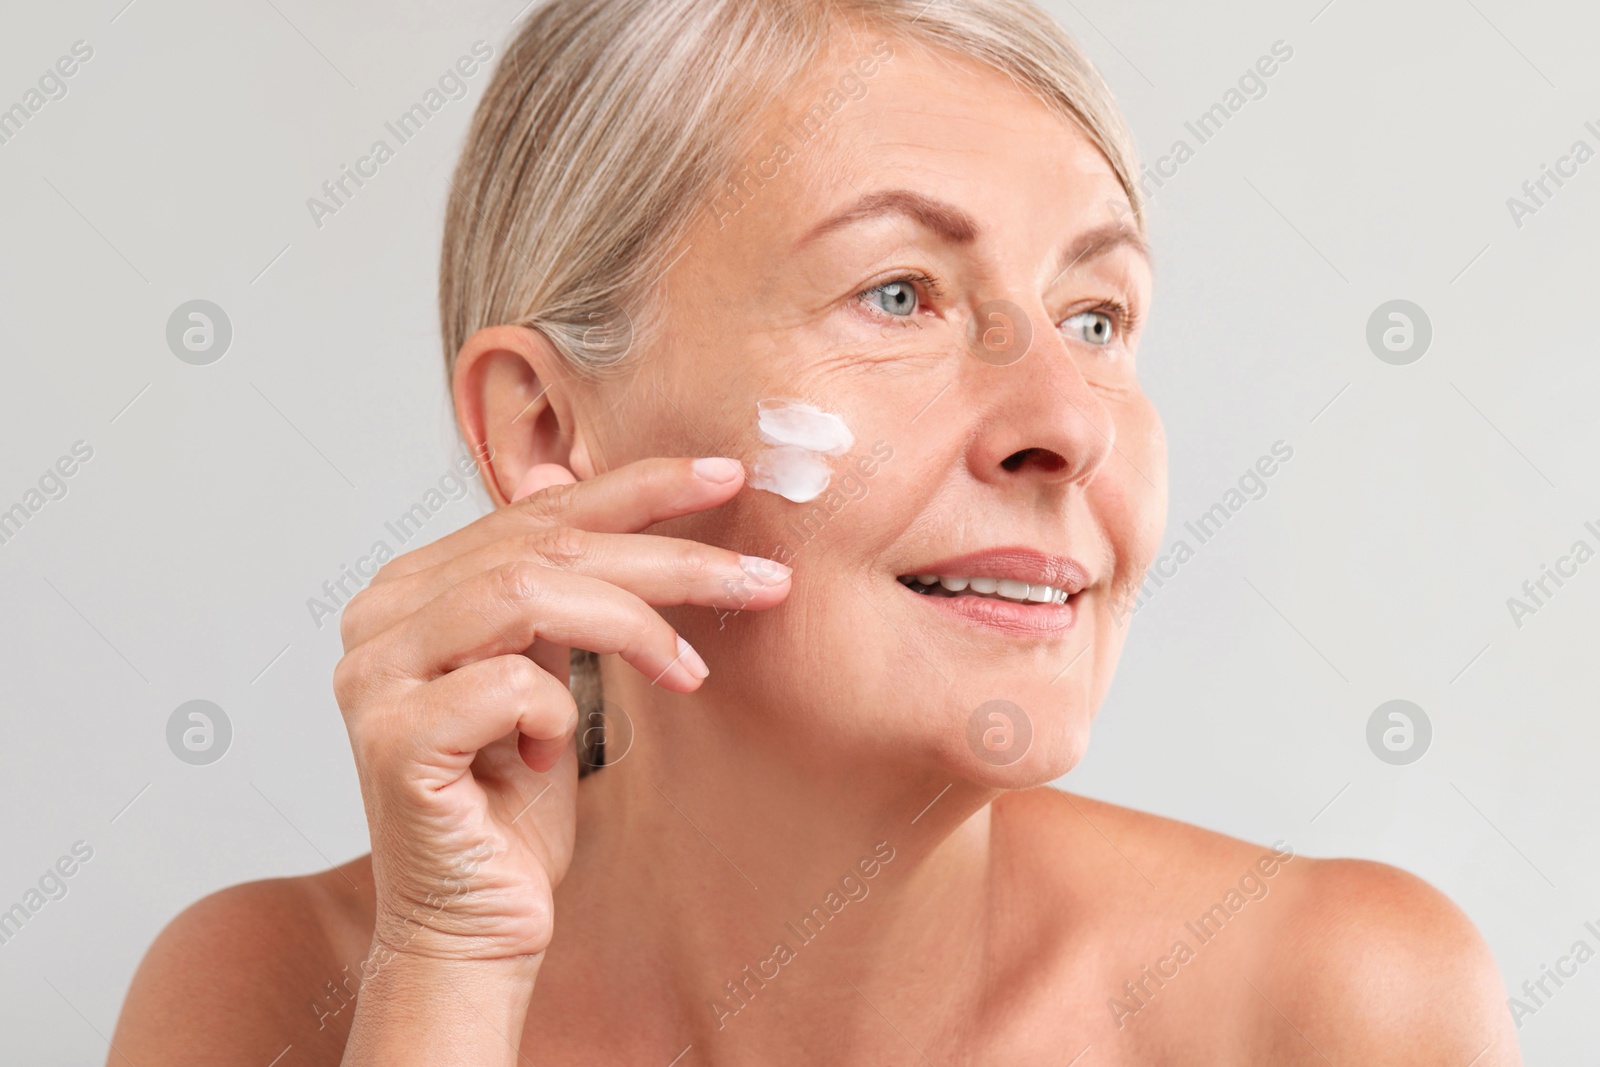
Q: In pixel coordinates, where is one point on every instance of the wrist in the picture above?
(415, 1009)
(410, 969)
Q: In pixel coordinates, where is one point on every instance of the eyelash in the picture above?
(924, 285)
(1126, 319)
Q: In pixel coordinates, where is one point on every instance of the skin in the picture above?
(598, 923)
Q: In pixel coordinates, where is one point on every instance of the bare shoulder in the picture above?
(1311, 959)
(1094, 843)
(1398, 970)
(250, 970)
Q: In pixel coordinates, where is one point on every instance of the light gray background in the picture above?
(219, 498)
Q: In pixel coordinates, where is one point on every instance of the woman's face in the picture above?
(952, 269)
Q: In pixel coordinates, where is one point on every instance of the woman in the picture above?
(797, 342)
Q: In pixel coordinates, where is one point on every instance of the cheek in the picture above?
(1130, 494)
(825, 647)
(670, 407)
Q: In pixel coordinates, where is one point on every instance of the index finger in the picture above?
(629, 499)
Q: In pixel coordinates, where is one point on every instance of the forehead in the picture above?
(878, 113)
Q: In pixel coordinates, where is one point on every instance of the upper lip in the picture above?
(1015, 562)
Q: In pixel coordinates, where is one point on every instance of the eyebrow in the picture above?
(1101, 241)
(957, 227)
(946, 220)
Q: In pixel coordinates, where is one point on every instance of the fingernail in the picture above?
(691, 659)
(766, 571)
(717, 469)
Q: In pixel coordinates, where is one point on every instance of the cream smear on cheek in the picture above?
(799, 438)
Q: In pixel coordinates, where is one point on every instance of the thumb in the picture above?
(542, 476)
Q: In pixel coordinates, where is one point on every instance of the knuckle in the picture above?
(697, 565)
(352, 679)
(550, 502)
(355, 619)
(364, 677)
(348, 626)
(559, 546)
(517, 677)
(520, 579)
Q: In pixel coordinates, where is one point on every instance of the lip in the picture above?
(1014, 562)
(1009, 617)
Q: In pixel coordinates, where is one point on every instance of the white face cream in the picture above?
(800, 437)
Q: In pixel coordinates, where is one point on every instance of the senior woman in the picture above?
(797, 340)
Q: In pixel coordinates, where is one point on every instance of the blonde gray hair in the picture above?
(609, 124)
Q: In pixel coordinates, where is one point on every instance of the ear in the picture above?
(513, 403)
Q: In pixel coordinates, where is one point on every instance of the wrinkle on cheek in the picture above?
(1116, 379)
(1112, 391)
(874, 362)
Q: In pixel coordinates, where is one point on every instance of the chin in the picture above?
(995, 753)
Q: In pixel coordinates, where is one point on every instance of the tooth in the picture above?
(983, 585)
(1041, 594)
(928, 579)
(1012, 589)
(955, 585)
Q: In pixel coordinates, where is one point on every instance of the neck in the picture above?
(730, 880)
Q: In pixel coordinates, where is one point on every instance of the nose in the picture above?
(1044, 423)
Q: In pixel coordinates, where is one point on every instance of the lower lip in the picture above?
(1016, 619)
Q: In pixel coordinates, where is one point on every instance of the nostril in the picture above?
(1041, 458)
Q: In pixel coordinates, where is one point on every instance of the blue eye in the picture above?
(895, 298)
(1092, 327)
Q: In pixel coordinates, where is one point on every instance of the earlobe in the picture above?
(541, 476)
(512, 407)
(579, 462)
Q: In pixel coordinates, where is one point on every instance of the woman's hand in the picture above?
(454, 690)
